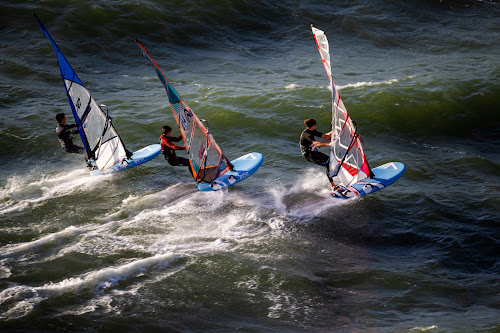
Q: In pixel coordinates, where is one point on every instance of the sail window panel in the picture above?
(198, 145)
(342, 143)
(334, 164)
(109, 135)
(213, 155)
(94, 126)
(175, 110)
(211, 163)
(207, 174)
(222, 166)
(197, 149)
(345, 138)
(336, 155)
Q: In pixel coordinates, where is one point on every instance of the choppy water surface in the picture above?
(142, 250)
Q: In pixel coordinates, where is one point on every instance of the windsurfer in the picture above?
(168, 148)
(308, 145)
(64, 133)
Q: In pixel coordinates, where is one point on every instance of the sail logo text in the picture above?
(184, 118)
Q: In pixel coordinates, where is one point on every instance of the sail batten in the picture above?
(347, 157)
(206, 159)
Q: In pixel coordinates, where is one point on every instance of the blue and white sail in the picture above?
(102, 143)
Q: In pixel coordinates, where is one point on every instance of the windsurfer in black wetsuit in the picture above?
(308, 145)
(64, 133)
(168, 148)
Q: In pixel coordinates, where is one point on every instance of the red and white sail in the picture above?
(347, 157)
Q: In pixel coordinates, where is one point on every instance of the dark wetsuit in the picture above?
(66, 140)
(309, 151)
(168, 150)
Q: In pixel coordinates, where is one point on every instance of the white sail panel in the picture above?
(110, 153)
(324, 50)
(350, 171)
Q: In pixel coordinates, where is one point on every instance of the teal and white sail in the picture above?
(102, 143)
(207, 162)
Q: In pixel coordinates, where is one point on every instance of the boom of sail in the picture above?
(207, 161)
(102, 143)
(347, 157)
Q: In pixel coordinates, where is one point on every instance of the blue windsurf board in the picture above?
(244, 166)
(138, 157)
(384, 176)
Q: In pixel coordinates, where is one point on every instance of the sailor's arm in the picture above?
(327, 135)
(65, 130)
(321, 144)
(174, 147)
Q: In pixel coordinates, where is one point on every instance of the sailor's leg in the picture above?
(323, 160)
(75, 149)
(185, 162)
(180, 161)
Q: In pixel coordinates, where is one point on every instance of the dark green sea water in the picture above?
(143, 251)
